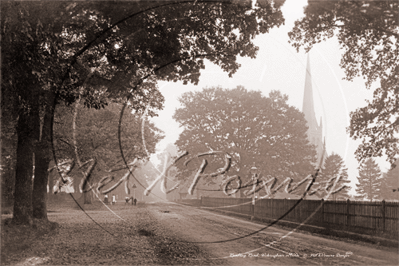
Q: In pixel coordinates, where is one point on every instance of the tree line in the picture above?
(375, 185)
(268, 133)
(57, 54)
(96, 52)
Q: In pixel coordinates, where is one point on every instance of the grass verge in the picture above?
(17, 238)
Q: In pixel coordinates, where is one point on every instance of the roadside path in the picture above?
(136, 239)
(172, 234)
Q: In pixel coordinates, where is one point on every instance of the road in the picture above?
(173, 234)
(226, 238)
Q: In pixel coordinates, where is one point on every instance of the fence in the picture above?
(372, 218)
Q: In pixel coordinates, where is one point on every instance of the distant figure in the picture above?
(106, 199)
(113, 199)
(127, 200)
(134, 202)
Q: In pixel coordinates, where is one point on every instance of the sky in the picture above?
(278, 66)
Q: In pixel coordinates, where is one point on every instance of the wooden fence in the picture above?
(371, 218)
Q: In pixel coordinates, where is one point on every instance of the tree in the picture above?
(368, 33)
(250, 127)
(96, 138)
(62, 51)
(97, 135)
(8, 144)
(390, 184)
(8, 153)
(334, 168)
(377, 124)
(369, 180)
(30, 69)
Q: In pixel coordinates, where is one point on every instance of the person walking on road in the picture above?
(113, 199)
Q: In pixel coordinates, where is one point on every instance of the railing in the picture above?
(371, 218)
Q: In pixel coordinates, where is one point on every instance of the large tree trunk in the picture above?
(8, 145)
(28, 130)
(24, 170)
(50, 183)
(42, 160)
(39, 197)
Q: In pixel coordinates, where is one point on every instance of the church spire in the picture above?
(315, 132)
(308, 106)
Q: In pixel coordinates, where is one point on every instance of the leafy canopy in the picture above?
(96, 137)
(250, 127)
(368, 34)
(124, 44)
(390, 184)
(54, 52)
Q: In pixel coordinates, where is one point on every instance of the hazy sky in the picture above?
(279, 67)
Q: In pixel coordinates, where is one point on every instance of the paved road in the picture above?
(226, 238)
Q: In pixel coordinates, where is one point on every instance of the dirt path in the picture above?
(171, 234)
(129, 236)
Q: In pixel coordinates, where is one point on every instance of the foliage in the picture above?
(368, 34)
(334, 168)
(369, 180)
(123, 44)
(62, 51)
(390, 184)
(96, 134)
(377, 124)
(250, 127)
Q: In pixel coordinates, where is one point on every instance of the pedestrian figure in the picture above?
(131, 198)
(135, 201)
(113, 199)
(106, 199)
(127, 200)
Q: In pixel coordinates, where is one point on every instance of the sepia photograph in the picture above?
(199, 132)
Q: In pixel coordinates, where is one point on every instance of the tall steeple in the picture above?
(308, 105)
(315, 134)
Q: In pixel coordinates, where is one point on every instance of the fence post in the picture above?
(322, 212)
(383, 215)
(285, 208)
(253, 208)
(348, 218)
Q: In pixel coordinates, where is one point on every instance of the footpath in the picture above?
(120, 235)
